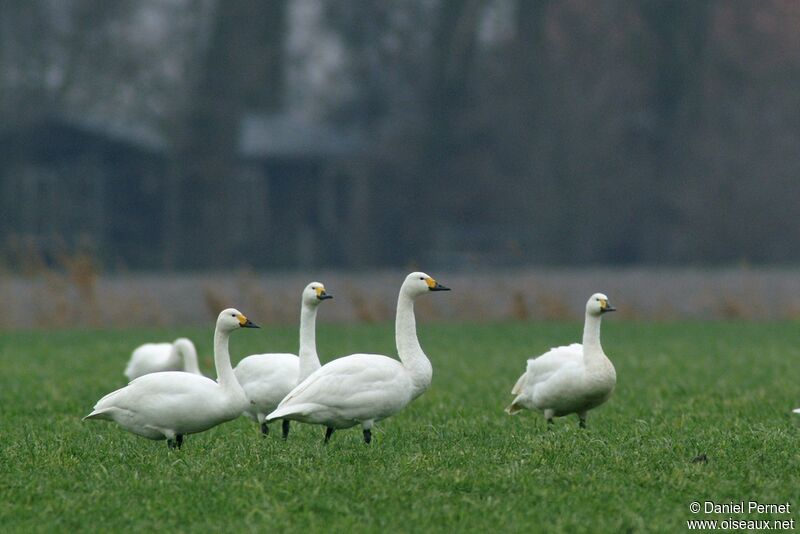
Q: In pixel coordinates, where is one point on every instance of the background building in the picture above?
(458, 134)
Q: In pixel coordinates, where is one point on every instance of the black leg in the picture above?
(285, 428)
(264, 429)
(328, 433)
(179, 440)
(367, 435)
(582, 422)
(170, 444)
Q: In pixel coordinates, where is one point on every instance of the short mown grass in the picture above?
(452, 461)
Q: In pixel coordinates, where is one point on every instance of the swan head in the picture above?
(419, 283)
(598, 305)
(314, 293)
(231, 319)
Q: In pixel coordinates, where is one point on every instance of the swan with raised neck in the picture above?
(364, 388)
(409, 350)
(313, 294)
(268, 378)
(569, 379)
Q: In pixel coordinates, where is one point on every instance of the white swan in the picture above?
(172, 404)
(571, 379)
(180, 355)
(364, 388)
(268, 378)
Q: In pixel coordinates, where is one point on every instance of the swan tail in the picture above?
(102, 413)
(517, 389)
(796, 410)
(520, 403)
(289, 411)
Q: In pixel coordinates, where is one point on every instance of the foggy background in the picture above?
(155, 154)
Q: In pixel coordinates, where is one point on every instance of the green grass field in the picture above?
(453, 461)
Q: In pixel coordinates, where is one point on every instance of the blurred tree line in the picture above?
(495, 132)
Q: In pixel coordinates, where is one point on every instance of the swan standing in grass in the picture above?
(364, 388)
(571, 379)
(171, 404)
(179, 355)
(268, 378)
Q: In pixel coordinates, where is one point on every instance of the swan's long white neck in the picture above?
(408, 348)
(222, 361)
(592, 350)
(309, 361)
(189, 354)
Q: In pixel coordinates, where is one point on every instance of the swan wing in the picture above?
(268, 369)
(541, 373)
(154, 388)
(541, 368)
(357, 387)
(267, 379)
(173, 400)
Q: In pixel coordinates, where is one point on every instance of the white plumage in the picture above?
(569, 379)
(268, 378)
(364, 388)
(351, 390)
(179, 355)
(171, 404)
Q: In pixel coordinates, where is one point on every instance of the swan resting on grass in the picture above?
(268, 378)
(179, 355)
(571, 379)
(364, 388)
(171, 404)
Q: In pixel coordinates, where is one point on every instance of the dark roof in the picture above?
(79, 128)
(287, 136)
(261, 136)
(139, 134)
